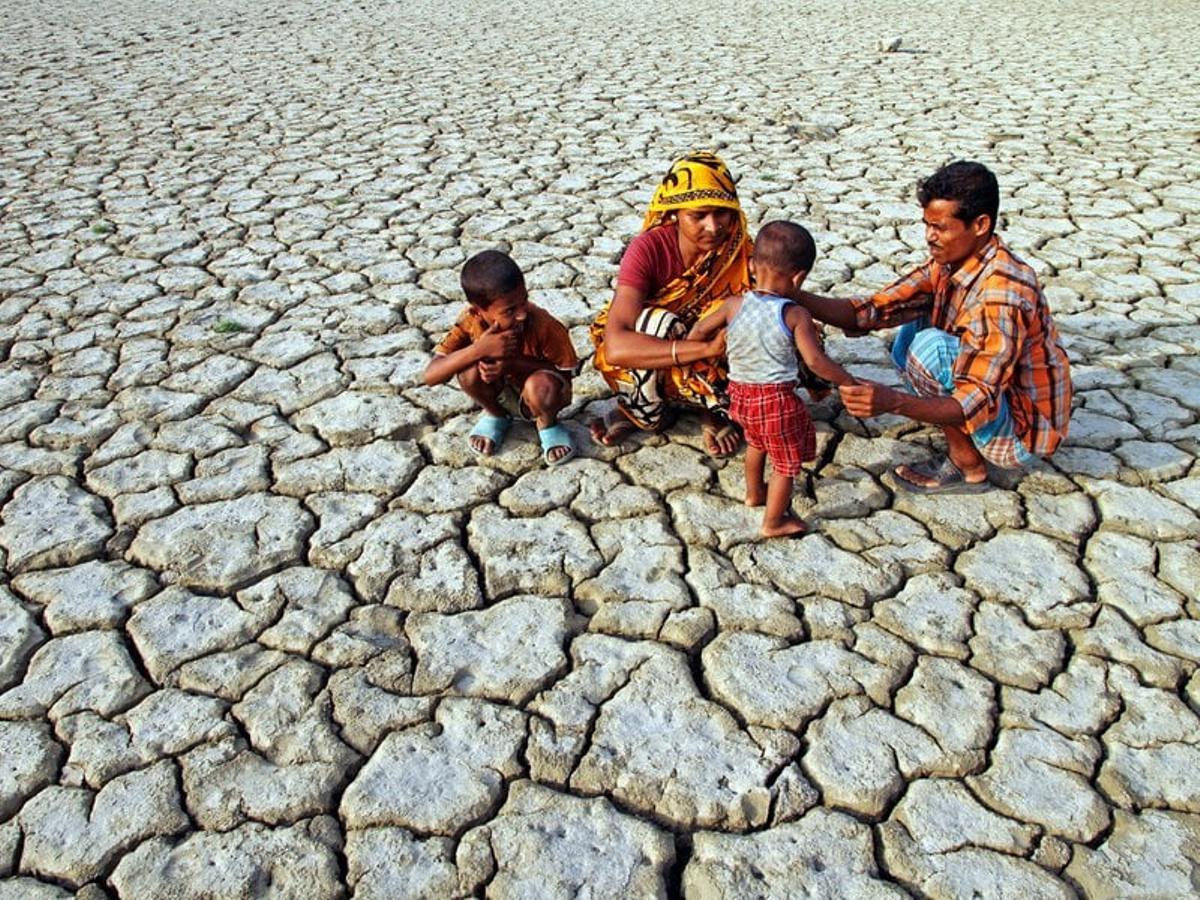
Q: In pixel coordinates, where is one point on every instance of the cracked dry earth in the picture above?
(268, 629)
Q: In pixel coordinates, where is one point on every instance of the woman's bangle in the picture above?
(675, 352)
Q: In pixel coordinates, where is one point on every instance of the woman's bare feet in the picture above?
(721, 437)
(789, 526)
(611, 429)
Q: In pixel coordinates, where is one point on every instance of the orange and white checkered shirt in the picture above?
(994, 305)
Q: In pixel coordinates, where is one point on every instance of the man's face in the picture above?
(706, 227)
(507, 312)
(951, 240)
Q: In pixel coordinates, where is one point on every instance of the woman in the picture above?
(692, 254)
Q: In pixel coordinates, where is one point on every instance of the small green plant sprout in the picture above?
(340, 199)
(228, 326)
(103, 227)
(188, 148)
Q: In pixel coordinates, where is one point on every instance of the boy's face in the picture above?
(507, 312)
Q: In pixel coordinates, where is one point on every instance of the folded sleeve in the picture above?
(456, 339)
(903, 300)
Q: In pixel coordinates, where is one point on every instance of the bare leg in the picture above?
(964, 455)
(756, 488)
(487, 395)
(545, 395)
(778, 520)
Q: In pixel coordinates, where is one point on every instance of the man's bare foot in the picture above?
(611, 429)
(787, 527)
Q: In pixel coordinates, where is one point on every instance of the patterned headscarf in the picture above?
(698, 179)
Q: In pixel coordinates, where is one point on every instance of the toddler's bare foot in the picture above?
(786, 527)
(756, 498)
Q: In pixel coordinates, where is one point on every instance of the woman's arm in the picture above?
(623, 346)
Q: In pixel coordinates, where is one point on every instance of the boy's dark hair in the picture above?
(785, 247)
(972, 185)
(488, 275)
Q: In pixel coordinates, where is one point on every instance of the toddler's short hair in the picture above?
(785, 247)
(488, 275)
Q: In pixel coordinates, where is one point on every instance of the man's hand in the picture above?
(494, 344)
(864, 399)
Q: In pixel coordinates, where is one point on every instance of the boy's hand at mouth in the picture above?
(495, 344)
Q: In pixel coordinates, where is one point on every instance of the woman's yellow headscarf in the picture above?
(698, 179)
(701, 179)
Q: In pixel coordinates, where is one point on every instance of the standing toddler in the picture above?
(765, 329)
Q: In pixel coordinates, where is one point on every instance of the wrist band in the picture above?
(674, 352)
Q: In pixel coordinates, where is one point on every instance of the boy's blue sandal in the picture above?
(552, 437)
(494, 428)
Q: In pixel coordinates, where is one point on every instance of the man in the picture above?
(977, 346)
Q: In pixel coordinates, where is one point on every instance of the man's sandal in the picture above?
(553, 437)
(947, 478)
(492, 428)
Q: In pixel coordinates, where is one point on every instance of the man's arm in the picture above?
(987, 357)
(870, 398)
(904, 299)
(831, 311)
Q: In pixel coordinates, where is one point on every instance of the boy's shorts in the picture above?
(775, 422)
(514, 404)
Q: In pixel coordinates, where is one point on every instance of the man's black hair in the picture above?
(785, 247)
(972, 185)
(489, 275)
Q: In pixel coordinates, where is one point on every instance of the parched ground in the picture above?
(268, 629)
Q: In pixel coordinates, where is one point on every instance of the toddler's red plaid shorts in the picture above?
(776, 422)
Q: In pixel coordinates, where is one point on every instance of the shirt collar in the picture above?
(973, 265)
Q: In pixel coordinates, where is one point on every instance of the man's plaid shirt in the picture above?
(1010, 347)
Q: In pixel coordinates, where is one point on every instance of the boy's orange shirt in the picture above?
(543, 337)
